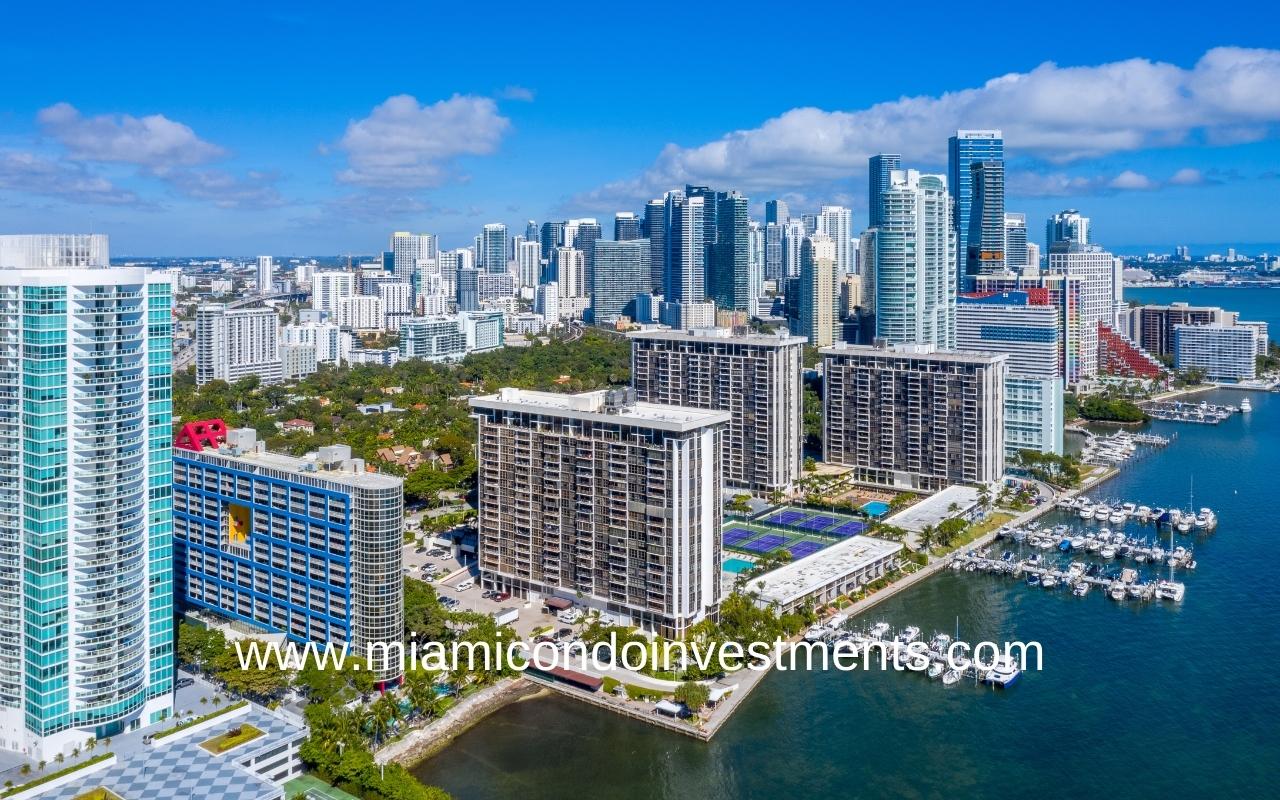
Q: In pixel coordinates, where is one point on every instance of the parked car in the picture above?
(183, 683)
(498, 597)
(465, 585)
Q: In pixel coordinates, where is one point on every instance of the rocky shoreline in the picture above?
(422, 743)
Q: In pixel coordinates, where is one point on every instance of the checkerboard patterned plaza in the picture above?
(183, 769)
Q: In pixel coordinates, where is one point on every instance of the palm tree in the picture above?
(75, 752)
(106, 741)
(91, 743)
(927, 535)
(40, 766)
(26, 770)
(59, 758)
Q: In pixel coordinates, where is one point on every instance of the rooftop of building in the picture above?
(811, 573)
(781, 339)
(333, 463)
(935, 508)
(183, 768)
(605, 405)
(916, 351)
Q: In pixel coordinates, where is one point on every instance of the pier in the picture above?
(1175, 411)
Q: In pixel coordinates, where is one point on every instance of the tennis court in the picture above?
(762, 540)
(825, 523)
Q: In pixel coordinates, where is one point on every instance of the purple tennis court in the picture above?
(802, 549)
(786, 517)
(817, 523)
(736, 536)
(849, 529)
(765, 543)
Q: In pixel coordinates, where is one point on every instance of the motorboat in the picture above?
(909, 634)
(1135, 590)
(950, 676)
(1092, 545)
(1129, 509)
(936, 669)
(1049, 580)
(1086, 512)
(1019, 535)
(1065, 544)
(1102, 513)
(1144, 513)
(879, 630)
(1116, 518)
(1184, 523)
(1080, 589)
(815, 633)
(1108, 552)
(1033, 579)
(1245, 406)
(1005, 673)
(1078, 542)
(1116, 593)
(1046, 543)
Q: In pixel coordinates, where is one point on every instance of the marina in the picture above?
(942, 657)
(1115, 449)
(1176, 411)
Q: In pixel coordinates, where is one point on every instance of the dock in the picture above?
(1176, 411)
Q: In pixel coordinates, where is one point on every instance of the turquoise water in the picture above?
(875, 508)
(1254, 305)
(1135, 700)
(736, 565)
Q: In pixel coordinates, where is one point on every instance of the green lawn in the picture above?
(235, 737)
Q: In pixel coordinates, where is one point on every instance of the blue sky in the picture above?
(319, 128)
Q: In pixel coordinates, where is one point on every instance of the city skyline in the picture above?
(327, 148)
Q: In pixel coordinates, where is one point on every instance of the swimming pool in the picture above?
(736, 565)
(876, 508)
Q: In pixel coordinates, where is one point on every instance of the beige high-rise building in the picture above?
(818, 290)
(602, 500)
(755, 377)
(912, 417)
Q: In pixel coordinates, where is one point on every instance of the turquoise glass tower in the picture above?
(86, 632)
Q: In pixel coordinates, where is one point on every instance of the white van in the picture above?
(465, 585)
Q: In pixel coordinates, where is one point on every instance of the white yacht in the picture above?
(1245, 406)
(815, 633)
(1117, 592)
(879, 630)
(1004, 673)
(950, 676)
(936, 669)
(1144, 513)
(1102, 513)
(1086, 510)
(1049, 580)
(1080, 589)
(1116, 517)
(1171, 590)
(1184, 523)
(909, 634)
(1077, 543)
(1108, 552)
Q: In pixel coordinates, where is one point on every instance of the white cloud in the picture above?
(514, 92)
(1052, 113)
(153, 141)
(403, 144)
(36, 174)
(1131, 180)
(254, 191)
(1187, 176)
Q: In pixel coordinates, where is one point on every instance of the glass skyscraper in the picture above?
(878, 169)
(986, 253)
(915, 264)
(86, 636)
(963, 150)
(493, 247)
(729, 261)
